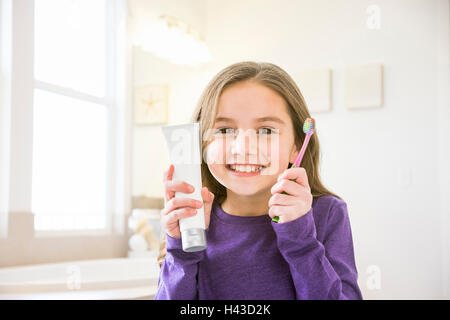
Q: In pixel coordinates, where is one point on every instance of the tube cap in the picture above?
(193, 240)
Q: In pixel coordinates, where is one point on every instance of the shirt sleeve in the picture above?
(178, 276)
(320, 270)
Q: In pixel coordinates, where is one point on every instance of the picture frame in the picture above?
(364, 86)
(151, 104)
(315, 85)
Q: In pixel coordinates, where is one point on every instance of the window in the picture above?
(70, 44)
(73, 110)
(69, 162)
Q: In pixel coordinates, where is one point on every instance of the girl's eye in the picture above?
(264, 131)
(224, 131)
(267, 131)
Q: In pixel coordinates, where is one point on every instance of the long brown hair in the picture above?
(275, 78)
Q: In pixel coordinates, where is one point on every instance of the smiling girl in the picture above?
(251, 116)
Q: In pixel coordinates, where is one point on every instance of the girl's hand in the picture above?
(178, 208)
(298, 200)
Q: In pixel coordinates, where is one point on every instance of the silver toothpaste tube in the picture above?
(183, 144)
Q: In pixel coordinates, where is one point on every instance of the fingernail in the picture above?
(191, 188)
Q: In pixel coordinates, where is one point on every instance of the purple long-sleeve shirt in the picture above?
(311, 257)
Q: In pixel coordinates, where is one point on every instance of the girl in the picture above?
(308, 254)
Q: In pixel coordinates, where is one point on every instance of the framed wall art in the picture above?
(364, 86)
(151, 104)
(315, 86)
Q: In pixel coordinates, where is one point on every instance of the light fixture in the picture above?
(171, 39)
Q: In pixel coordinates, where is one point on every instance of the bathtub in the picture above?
(121, 278)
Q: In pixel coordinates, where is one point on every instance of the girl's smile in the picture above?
(245, 170)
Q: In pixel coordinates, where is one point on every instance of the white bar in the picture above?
(110, 7)
(5, 110)
(443, 69)
(122, 120)
(22, 86)
(69, 92)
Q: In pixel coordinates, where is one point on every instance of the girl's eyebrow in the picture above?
(263, 119)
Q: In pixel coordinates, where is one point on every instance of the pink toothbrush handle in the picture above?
(298, 161)
(302, 150)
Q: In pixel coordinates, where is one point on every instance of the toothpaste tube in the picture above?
(183, 144)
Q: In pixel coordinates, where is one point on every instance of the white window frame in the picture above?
(22, 85)
(5, 115)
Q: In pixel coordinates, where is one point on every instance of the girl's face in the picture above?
(252, 131)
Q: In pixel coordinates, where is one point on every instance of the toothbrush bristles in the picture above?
(308, 125)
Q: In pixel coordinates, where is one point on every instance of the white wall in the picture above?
(399, 229)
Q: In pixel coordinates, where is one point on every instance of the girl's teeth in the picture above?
(245, 168)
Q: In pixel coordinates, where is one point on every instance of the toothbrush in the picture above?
(308, 128)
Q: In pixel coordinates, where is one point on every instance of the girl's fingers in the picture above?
(171, 186)
(178, 186)
(297, 173)
(207, 195)
(290, 187)
(276, 211)
(168, 174)
(179, 208)
(283, 200)
(175, 215)
(177, 203)
(168, 195)
(208, 198)
(284, 213)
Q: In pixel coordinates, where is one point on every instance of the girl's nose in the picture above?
(245, 143)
